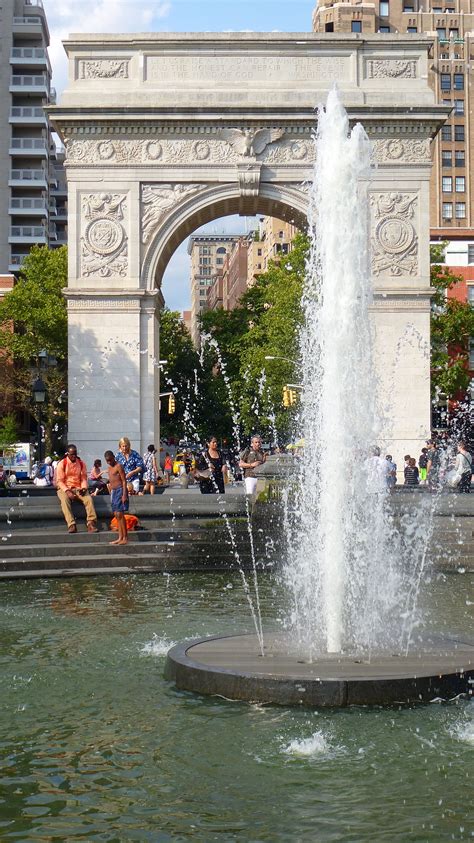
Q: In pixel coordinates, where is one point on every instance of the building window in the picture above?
(459, 133)
(447, 184)
(221, 250)
(446, 158)
(459, 106)
(445, 81)
(219, 261)
(436, 10)
(447, 210)
(446, 133)
(460, 210)
(408, 8)
(259, 252)
(454, 33)
(412, 30)
(383, 9)
(441, 33)
(356, 26)
(459, 158)
(458, 82)
(460, 184)
(470, 259)
(384, 30)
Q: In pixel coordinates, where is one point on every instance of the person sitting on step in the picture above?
(71, 483)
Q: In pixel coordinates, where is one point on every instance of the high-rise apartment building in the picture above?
(451, 24)
(31, 173)
(208, 254)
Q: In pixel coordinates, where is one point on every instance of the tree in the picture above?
(8, 432)
(36, 309)
(452, 326)
(265, 323)
(178, 374)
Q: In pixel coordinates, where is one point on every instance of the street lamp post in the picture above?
(39, 397)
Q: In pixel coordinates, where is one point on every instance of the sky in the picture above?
(66, 16)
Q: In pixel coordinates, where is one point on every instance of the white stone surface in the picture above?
(166, 132)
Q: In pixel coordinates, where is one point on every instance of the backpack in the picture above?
(130, 520)
(42, 471)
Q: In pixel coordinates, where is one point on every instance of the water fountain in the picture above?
(350, 636)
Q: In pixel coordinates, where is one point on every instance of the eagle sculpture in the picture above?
(250, 142)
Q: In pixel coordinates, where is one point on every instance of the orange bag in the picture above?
(130, 520)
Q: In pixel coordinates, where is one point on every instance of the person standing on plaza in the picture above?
(131, 463)
(463, 467)
(391, 472)
(168, 468)
(152, 471)
(71, 483)
(422, 465)
(411, 473)
(433, 466)
(211, 462)
(118, 496)
(250, 459)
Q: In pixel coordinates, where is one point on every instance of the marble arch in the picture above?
(164, 132)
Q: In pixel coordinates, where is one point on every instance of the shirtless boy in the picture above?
(118, 495)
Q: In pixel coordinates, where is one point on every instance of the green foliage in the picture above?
(176, 346)
(266, 323)
(8, 432)
(452, 326)
(36, 307)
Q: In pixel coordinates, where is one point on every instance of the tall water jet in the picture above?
(342, 579)
(353, 582)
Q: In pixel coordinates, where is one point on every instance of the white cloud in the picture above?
(96, 16)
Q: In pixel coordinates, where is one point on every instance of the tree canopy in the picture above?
(452, 326)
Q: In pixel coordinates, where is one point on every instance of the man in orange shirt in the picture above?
(71, 482)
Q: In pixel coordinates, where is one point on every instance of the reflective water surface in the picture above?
(96, 746)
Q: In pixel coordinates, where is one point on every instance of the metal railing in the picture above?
(28, 81)
(28, 53)
(28, 203)
(29, 144)
(36, 231)
(28, 175)
(27, 111)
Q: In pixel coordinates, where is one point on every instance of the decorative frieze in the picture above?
(394, 238)
(150, 151)
(103, 68)
(402, 151)
(391, 68)
(157, 200)
(104, 244)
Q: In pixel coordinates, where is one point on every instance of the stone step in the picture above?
(189, 549)
(117, 564)
(120, 559)
(15, 537)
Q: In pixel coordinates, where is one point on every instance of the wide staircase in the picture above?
(179, 530)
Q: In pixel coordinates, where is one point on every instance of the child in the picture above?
(411, 473)
(118, 495)
(422, 463)
(168, 468)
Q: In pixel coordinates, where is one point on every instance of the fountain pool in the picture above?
(96, 745)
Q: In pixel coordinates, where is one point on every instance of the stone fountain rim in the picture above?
(237, 684)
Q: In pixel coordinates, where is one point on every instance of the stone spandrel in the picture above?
(251, 69)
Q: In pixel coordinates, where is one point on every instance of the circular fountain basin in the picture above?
(232, 667)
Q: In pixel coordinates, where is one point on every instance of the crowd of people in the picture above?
(438, 465)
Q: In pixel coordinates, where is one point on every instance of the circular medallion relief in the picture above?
(395, 235)
(299, 150)
(106, 149)
(202, 150)
(104, 236)
(154, 150)
(395, 149)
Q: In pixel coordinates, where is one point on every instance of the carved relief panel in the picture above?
(394, 235)
(104, 242)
